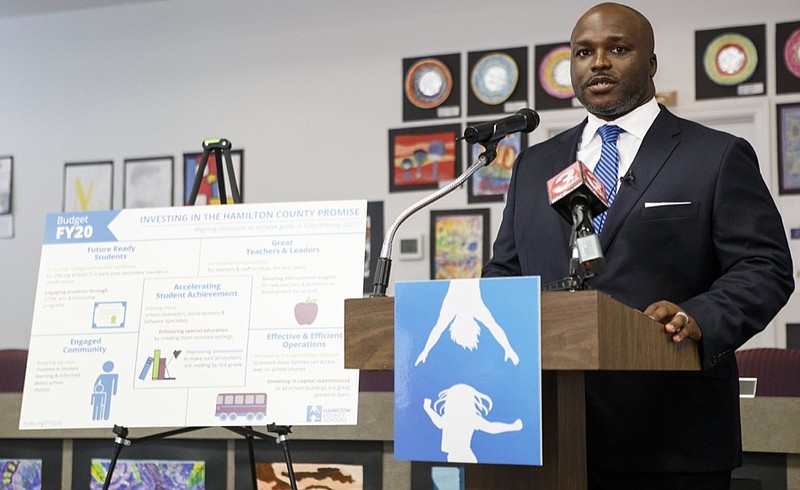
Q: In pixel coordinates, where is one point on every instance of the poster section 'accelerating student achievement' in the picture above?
(195, 316)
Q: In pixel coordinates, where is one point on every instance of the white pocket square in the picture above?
(666, 203)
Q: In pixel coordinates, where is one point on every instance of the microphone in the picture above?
(525, 120)
(578, 195)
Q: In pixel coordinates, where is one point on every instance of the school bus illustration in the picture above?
(252, 406)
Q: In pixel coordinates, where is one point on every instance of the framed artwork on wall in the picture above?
(787, 57)
(148, 182)
(432, 87)
(730, 62)
(6, 169)
(420, 158)
(490, 183)
(88, 186)
(553, 87)
(459, 243)
(788, 148)
(209, 190)
(498, 81)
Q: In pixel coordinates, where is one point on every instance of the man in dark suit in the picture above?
(692, 238)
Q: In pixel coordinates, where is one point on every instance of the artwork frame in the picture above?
(373, 243)
(80, 193)
(498, 81)
(788, 148)
(490, 183)
(553, 88)
(411, 164)
(6, 183)
(148, 182)
(464, 253)
(730, 62)
(787, 63)
(207, 192)
(432, 87)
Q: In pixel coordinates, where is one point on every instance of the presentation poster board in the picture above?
(195, 316)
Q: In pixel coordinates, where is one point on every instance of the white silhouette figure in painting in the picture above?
(459, 412)
(462, 310)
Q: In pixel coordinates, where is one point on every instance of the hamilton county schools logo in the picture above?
(314, 413)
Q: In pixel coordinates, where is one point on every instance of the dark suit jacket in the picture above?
(723, 258)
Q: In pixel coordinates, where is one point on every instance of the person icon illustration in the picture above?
(459, 411)
(464, 312)
(108, 382)
(98, 401)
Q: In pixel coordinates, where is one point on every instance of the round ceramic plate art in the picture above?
(791, 53)
(428, 83)
(730, 59)
(554, 75)
(494, 78)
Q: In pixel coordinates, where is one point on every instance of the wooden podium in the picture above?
(581, 331)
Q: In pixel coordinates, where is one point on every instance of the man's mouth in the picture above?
(600, 84)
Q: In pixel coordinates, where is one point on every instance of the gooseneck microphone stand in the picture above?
(384, 265)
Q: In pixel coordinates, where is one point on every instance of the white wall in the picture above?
(308, 88)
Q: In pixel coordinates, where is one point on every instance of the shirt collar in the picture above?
(637, 122)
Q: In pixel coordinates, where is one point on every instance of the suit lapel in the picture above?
(658, 144)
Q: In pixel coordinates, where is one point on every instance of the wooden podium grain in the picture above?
(581, 331)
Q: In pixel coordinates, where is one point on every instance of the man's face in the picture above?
(612, 64)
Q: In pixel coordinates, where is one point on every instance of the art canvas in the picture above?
(459, 243)
(421, 158)
(131, 474)
(330, 476)
(20, 474)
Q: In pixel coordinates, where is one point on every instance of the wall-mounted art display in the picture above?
(730, 62)
(498, 81)
(787, 57)
(789, 148)
(130, 473)
(432, 87)
(209, 190)
(148, 182)
(88, 186)
(420, 158)
(553, 82)
(6, 218)
(172, 463)
(6, 168)
(374, 242)
(331, 476)
(317, 464)
(490, 183)
(459, 243)
(22, 474)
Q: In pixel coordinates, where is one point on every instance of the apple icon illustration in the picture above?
(306, 313)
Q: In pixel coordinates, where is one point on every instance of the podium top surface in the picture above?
(581, 331)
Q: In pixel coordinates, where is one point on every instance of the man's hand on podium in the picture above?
(676, 321)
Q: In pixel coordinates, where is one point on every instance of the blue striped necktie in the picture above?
(607, 168)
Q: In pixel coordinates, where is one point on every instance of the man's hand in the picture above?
(676, 321)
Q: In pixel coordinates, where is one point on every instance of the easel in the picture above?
(220, 147)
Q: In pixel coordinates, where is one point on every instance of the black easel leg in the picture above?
(249, 437)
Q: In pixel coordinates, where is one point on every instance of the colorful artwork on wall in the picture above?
(553, 87)
(420, 158)
(209, 188)
(88, 186)
(332, 476)
(490, 183)
(20, 474)
(498, 81)
(132, 474)
(459, 243)
(787, 57)
(730, 62)
(432, 87)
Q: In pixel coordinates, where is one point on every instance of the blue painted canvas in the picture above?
(132, 474)
(468, 371)
(20, 474)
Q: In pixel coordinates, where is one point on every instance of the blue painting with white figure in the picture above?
(468, 371)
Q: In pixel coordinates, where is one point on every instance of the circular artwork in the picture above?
(428, 83)
(791, 53)
(730, 59)
(554, 76)
(494, 78)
